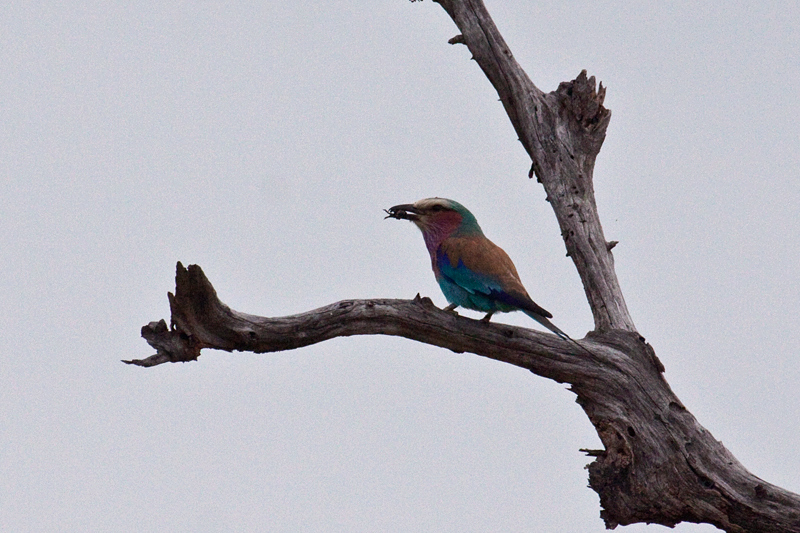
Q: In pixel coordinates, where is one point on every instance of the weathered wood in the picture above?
(200, 320)
(659, 464)
(562, 132)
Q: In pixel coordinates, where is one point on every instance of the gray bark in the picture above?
(659, 465)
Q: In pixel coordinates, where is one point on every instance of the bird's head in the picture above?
(438, 217)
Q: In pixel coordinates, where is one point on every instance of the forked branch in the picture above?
(659, 464)
(562, 131)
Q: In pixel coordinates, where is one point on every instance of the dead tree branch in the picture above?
(659, 464)
(562, 131)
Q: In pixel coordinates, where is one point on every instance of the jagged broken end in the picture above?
(172, 345)
(583, 101)
(194, 297)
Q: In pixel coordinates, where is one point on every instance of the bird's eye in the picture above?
(437, 208)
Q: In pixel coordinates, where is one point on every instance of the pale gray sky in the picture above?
(261, 140)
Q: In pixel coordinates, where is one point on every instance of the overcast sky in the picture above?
(261, 140)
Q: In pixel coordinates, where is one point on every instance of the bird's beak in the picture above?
(403, 212)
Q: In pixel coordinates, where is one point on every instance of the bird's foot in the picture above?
(451, 309)
(487, 318)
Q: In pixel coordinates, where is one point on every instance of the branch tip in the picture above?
(592, 453)
(458, 39)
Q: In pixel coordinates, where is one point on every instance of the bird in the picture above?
(472, 271)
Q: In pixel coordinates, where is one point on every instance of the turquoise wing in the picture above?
(474, 290)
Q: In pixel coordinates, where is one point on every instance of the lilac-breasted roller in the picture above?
(472, 271)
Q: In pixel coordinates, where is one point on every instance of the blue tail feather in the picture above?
(552, 327)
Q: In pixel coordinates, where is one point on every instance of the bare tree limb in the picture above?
(200, 320)
(659, 464)
(562, 132)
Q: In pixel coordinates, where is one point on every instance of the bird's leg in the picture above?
(488, 317)
(450, 309)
